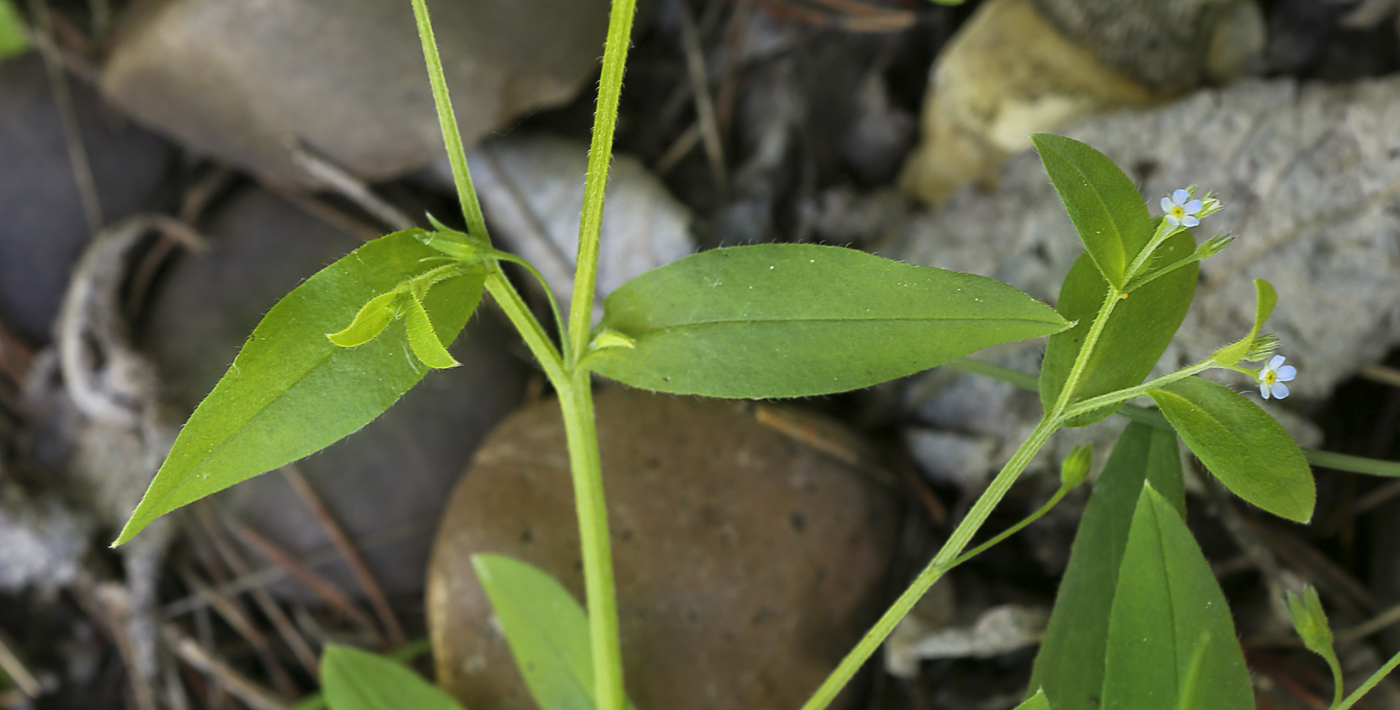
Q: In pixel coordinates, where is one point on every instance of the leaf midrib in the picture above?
(910, 319)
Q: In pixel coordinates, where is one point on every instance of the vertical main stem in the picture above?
(576, 401)
(596, 182)
(941, 563)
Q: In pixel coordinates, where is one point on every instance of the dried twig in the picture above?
(191, 652)
(680, 148)
(234, 615)
(347, 549)
(704, 104)
(68, 118)
(315, 582)
(15, 668)
(349, 187)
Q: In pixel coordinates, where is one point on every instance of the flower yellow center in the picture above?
(1178, 211)
(1270, 377)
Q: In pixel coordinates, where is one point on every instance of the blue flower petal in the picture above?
(1280, 390)
(1192, 207)
(1173, 221)
(1287, 373)
(1275, 361)
(1190, 221)
(1167, 204)
(1180, 197)
(1264, 390)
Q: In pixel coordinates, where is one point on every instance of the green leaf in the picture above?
(1166, 601)
(1265, 298)
(1105, 207)
(1242, 445)
(546, 629)
(372, 319)
(352, 679)
(1036, 702)
(422, 338)
(1070, 663)
(791, 320)
(291, 391)
(1134, 338)
(14, 39)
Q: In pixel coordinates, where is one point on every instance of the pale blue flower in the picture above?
(1272, 377)
(1181, 210)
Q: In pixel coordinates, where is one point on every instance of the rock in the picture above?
(997, 631)
(1171, 46)
(984, 101)
(531, 188)
(44, 230)
(747, 563)
(389, 480)
(1073, 59)
(243, 81)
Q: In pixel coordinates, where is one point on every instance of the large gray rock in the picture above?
(244, 81)
(388, 481)
(43, 229)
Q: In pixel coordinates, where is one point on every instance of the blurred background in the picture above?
(170, 168)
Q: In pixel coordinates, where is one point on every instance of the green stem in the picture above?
(1338, 680)
(1018, 527)
(1152, 417)
(1191, 259)
(1164, 230)
(1370, 683)
(1113, 398)
(596, 182)
(576, 402)
(945, 560)
(527, 325)
(1086, 350)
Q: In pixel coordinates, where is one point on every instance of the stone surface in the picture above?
(747, 564)
(386, 483)
(43, 230)
(1310, 180)
(42, 544)
(983, 101)
(243, 81)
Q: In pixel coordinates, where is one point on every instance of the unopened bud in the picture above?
(1310, 621)
(1075, 467)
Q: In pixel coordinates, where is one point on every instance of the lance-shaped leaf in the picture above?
(1134, 338)
(1166, 601)
(352, 679)
(546, 629)
(422, 338)
(291, 391)
(1242, 445)
(1105, 207)
(1070, 663)
(372, 319)
(1264, 301)
(791, 320)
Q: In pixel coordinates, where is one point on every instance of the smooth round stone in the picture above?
(747, 564)
(386, 483)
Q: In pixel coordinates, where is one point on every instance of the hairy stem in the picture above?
(596, 182)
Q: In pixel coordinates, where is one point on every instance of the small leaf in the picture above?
(422, 338)
(1242, 445)
(14, 39)
(1137, 333)
(792, 320)
(372, 319)
(291, 391)
(1075, 468)
(1166, 600)
(1036, 702)
(546, 629)
(1105, 207)
(352, 679)
(1310, 621)
(1070, 663)
(1264, 301)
